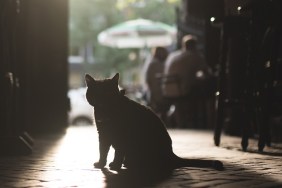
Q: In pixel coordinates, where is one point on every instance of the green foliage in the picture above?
(157, 10)
(89, 17)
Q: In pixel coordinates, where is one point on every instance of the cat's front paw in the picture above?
(114, 166)
(99, 165)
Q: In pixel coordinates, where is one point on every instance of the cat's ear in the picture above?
(116, 77)
(89, 80)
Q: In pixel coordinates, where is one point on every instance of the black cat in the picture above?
(136, 133)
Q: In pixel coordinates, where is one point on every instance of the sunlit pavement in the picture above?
(67, 161)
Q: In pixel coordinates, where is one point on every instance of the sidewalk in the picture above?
(66, 161)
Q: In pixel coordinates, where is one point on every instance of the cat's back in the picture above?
(144, 128)
(140, 117)
(134, 109)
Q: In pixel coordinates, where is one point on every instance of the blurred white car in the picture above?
(81, 113)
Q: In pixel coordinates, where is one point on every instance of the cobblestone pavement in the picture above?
(66, 161)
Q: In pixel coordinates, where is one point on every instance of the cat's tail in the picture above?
(199, 163)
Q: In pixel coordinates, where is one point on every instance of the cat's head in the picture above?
(99, 92)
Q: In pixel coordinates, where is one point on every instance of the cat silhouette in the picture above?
(138, 136)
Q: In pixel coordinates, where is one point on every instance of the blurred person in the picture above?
(153, 74)
(184, 70)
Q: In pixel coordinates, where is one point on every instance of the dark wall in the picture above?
(33, 51)
(46, 63)
(194, 18)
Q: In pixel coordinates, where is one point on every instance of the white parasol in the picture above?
(139, 33)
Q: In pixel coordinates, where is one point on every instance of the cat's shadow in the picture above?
(125, 178)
